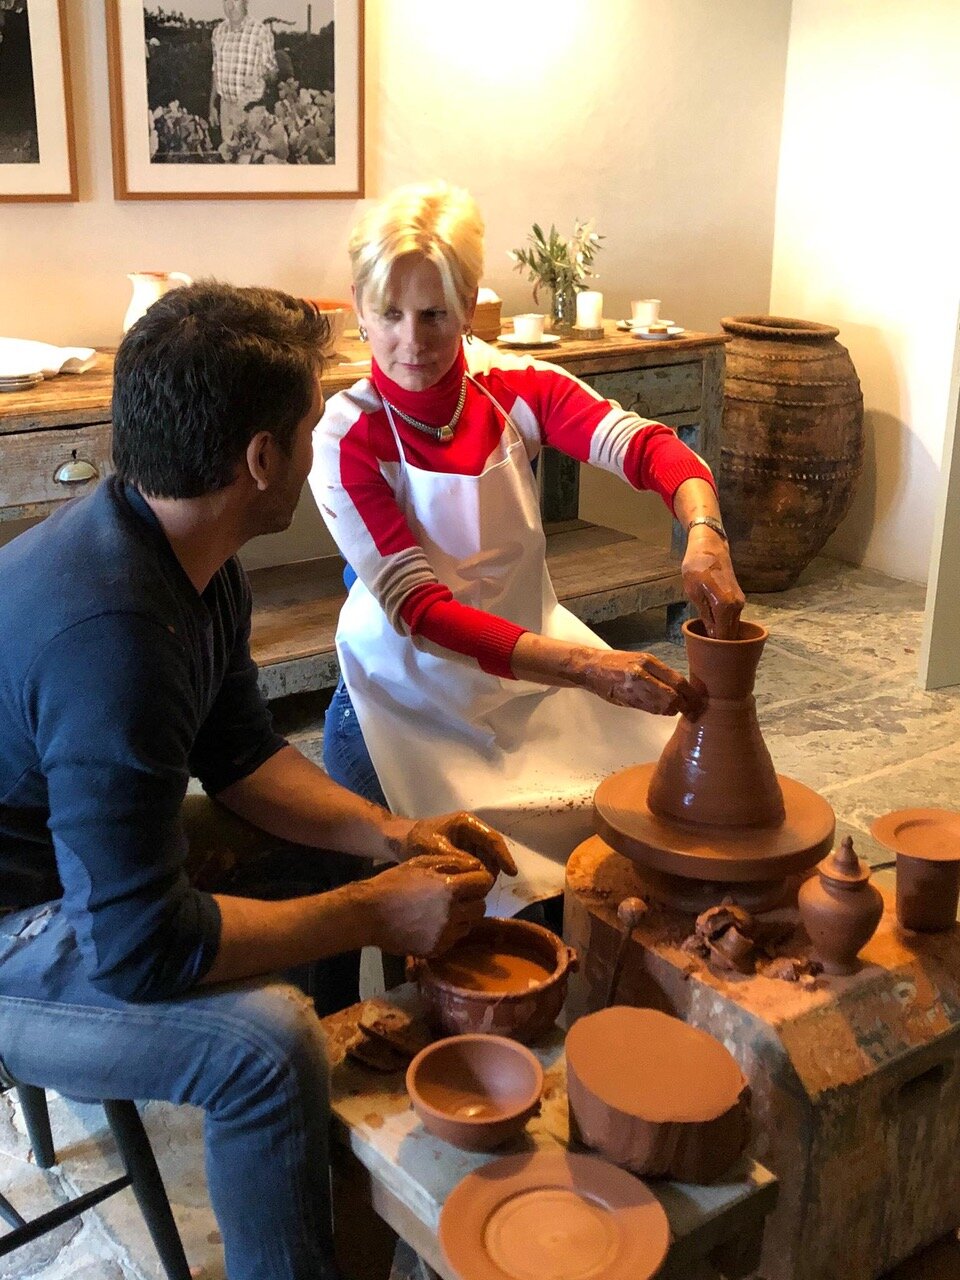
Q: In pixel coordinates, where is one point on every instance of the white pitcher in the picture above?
(148, 286)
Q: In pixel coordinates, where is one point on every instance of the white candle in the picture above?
(589, 309)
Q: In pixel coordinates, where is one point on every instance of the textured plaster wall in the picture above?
(660, 118)
(866, 239)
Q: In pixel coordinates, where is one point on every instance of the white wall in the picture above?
(867, 239)
(660, 118)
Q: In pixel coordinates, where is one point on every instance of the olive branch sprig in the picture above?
(553, 261)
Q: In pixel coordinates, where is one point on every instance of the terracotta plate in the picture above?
(553, 1215)
(933, 834)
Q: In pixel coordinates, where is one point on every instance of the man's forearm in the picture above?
(290, 797)
(270, 937)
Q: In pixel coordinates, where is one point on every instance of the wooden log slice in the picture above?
(654, 1095)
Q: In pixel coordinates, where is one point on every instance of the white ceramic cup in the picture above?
(645, 310)
(528, 328)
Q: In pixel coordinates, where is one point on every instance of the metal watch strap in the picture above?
(712, 523)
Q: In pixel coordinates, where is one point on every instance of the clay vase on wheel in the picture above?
(716, 771)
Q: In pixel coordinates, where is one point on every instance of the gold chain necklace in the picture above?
(439, 433)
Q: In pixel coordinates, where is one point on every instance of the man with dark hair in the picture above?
(136, 950)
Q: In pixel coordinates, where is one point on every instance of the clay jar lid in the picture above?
(931, 834)
(648, 1064)
(842, 867)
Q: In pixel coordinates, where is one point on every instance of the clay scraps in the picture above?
(733, 940)
(387, 1038)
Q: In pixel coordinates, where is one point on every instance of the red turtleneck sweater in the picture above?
(355, 456)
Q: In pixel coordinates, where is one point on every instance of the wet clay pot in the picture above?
(476, 1092)
(840, 909)
(716, 770)
(654, 1095)
(506, 977)
(791, 444)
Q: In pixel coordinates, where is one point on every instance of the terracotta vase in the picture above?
(791, 444)
(840, 909)
(716, 770)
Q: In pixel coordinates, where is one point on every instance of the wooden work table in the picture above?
(55, 442)
(389, 1160)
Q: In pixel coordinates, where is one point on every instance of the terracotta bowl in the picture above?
(476, 1092)
(336, 314)
(506, 977)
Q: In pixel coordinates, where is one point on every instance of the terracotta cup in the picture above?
(928, 893)
(927, 845)
(475, 1091)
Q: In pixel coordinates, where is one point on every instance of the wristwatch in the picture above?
(712, 523)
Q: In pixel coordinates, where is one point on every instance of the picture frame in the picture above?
(285, 123)
(37, 151)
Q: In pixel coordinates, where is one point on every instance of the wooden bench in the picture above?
(405, 1174)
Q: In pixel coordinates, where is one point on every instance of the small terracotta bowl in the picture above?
(506, 977)
(336, 314)
(476, 1092)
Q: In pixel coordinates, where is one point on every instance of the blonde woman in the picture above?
(464, 684)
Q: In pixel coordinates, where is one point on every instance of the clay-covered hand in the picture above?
(425, 905)
(710, 583)
(460, 832)
(635, 680)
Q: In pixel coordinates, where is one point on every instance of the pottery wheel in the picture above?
(627, 824)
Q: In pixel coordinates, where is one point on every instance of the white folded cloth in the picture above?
(19, 357)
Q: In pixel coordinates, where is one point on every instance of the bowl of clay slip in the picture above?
(506, 977)
(655, 1095)
(476, 1092)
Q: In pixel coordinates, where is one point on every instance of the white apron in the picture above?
(444, 735)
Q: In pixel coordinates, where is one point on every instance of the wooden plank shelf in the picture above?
(598, 573)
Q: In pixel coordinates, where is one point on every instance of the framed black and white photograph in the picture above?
(236, 99)
(37, 160)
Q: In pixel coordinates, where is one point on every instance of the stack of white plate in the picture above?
(21, 381)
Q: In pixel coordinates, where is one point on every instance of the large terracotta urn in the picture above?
(791, 444)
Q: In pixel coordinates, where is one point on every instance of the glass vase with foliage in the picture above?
(561, 264)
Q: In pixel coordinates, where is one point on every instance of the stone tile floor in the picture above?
(841, 711)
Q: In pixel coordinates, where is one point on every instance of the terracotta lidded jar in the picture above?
(840, 909)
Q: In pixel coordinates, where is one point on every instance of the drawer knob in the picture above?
(76, 471)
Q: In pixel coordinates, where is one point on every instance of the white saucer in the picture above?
(511, 340)
(627, 325)
(674, 331)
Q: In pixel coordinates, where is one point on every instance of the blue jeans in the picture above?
(250, 1054)
(345, 755)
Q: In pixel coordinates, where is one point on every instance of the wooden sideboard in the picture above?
(55, 445)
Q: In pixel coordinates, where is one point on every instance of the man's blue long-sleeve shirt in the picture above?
(117, 682)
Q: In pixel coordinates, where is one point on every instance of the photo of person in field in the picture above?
(241, 82)
(19, 143)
